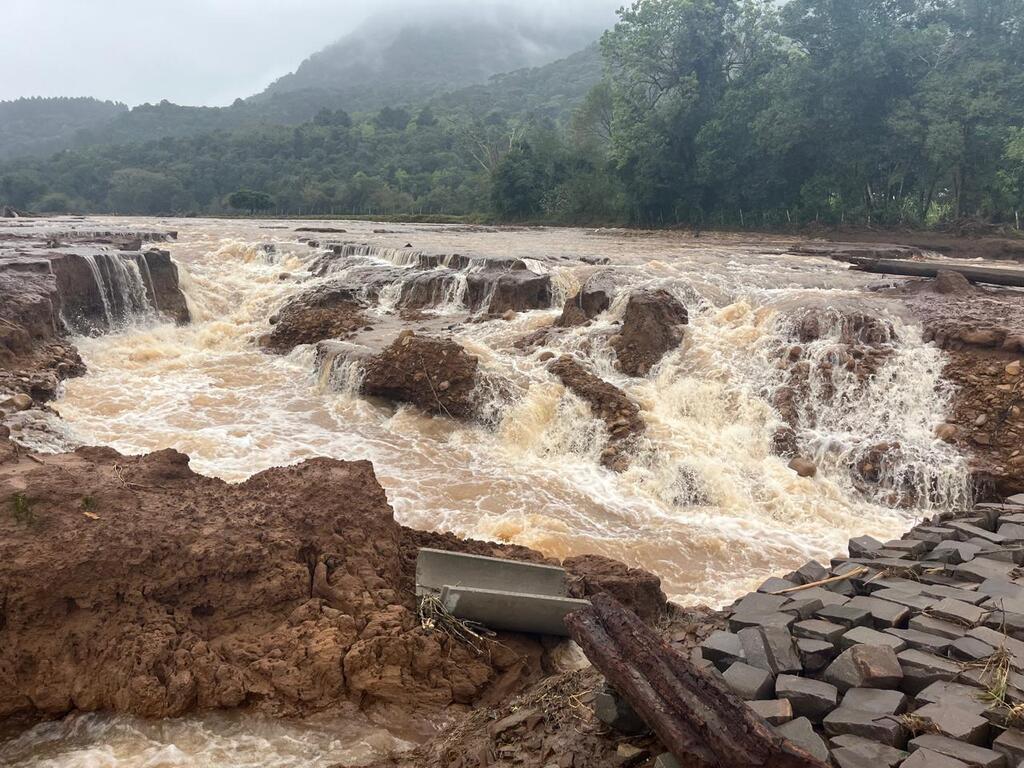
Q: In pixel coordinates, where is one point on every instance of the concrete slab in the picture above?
(436, 569)
(511, 611)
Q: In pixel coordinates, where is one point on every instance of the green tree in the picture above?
(251, 201)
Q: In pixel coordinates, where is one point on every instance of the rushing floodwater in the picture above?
(705, 505)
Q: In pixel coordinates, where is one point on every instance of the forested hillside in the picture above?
(712, 113)
(37, 126)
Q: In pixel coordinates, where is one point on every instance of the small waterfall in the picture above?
(101, 286)
(149, 282)
(122, 288)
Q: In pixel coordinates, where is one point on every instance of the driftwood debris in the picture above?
(696, 716)
(991, 275)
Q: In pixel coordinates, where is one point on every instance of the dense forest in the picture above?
(702, 112)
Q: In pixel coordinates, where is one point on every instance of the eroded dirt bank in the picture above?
(134, 585)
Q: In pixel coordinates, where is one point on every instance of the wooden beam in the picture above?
(696, 715)
(1013, 278)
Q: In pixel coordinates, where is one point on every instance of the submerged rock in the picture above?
(436, 375)
(608, 403)
(325, 312)
(651, 327)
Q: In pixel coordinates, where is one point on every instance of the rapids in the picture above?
(705, 505)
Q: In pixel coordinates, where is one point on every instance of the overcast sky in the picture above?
(187, 51)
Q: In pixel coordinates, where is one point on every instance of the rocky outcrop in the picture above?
(436, 375)
(163, 285)
(330, 311)
(651, 327)
(132, 584)
(608, 403)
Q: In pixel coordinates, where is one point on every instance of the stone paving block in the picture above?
(885, 729)
(1006, 554)
(958, 750)
(883, 613)
(757, 602)
(968, 695)
(1016, 499)
(865, 666)
(827, 596)
(801, 732)
(816, 629)
(965, 591)
(930, 533)
(893, 554)
(970, 649)
(925, 758)
(1001, 587)
(953, 552)
(981, 678)
(774, 711)
(1010, 743)
(974, 530)
(815, 655)
(810, 698)
(750, 683)
(802, 609)
(740, 621)
(982, 569)
(1013, 532)
(998, 639)
(870, 637)
(913, 547)
(938, 627)
(921, 669)
(958, 612)
(864, 546)
(956, 721)
(722, 648)
(878, 755)
(771, 649)
(897, 566)
(773, 585)
(922, 640)
(918, 602)
(812, 572)
(845, 615)
(875, 701)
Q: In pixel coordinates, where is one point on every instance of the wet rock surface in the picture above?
(608, 403)
(651, 327)
(323, 312)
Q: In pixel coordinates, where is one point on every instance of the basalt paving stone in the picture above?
(984, 679)
(1012, 531)
(740, 621)
(923, 641)
(921, 669)
(810, 698)
(893, 554)
(870, 636)
(812, 572)
(771, 649)
(963, 591)
(931, 534)
(916, 601)
(936, 627)
(865, 666)
(827, 596)
(958, 612)
(970, 649)
(1012, 518)
(885, 729)
(880, 755)
(883, 613)
(967, 695)
(981, 569)
(893, 564)
(774, 711)
(1008, 554)
(999, 639)
(925, 758)
(912, 547)
(815, 655)
(722, 648)
(955, 721)
(803, 609)
(816, 629)
(953, 552)
(958, 750)
(938, 579)
(1001, 587)
(801, 732)
(773, 585)
(844, 615)
(966, 531)
(875, 701)
(757, 602)
(750, 683)
(892, 582)
(864, 546)
(1011, 744)
(1010, 623)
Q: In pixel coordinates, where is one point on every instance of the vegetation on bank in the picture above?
(710, 113)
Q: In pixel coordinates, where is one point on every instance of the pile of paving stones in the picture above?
(913, 656)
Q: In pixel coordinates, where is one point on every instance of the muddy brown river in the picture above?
(705, 504)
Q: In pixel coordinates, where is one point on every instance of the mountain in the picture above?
(384, 65)
(38, 126)
(381, 64)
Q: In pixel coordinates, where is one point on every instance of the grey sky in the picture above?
(187, 51)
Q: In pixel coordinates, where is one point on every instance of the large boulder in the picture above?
(436, 375)
(608, 403)
(330, 311)
(651, 326)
